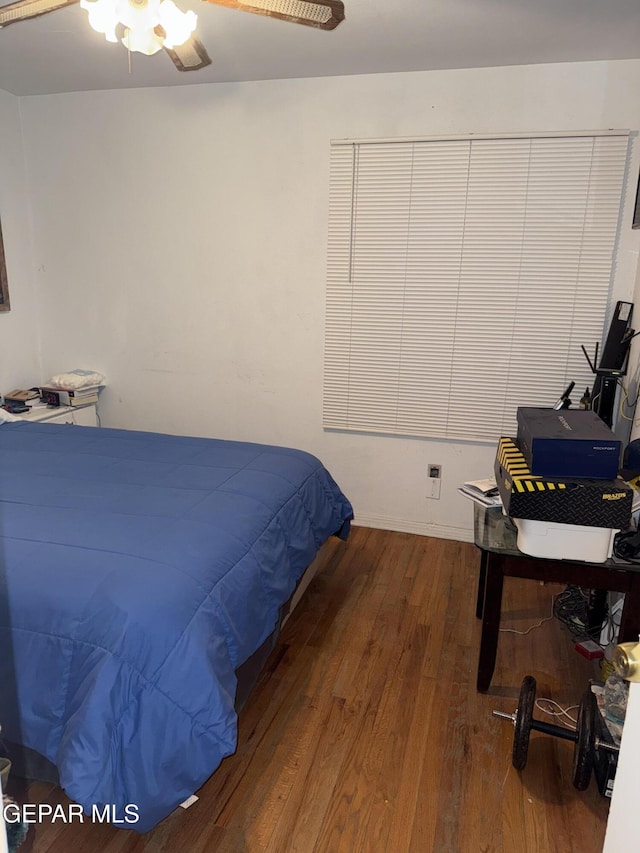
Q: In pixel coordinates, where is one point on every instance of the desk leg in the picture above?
(482, 580)
(490, 621)
(630, 619)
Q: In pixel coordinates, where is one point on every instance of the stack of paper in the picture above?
(484, 492)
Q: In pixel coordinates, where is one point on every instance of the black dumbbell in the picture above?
(584, 737)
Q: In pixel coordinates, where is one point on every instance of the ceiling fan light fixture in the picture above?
(138, 15)
(103, 17)
(149, 25)
(142, 41)
(177, 25)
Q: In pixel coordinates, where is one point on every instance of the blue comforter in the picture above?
(137, 572)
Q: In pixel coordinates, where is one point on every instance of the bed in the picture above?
(140, 573)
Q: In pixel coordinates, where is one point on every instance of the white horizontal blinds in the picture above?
(463, 277)
(540, 228)
(339, 288)
(573, 205)
(378, 270)
(488, 290)
(435, 240)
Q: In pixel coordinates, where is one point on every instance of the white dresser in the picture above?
(79, 415)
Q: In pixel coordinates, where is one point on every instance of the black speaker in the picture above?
(618, 340)
(612, 362)
(604, 397)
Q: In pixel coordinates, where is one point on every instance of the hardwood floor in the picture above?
(366, 732)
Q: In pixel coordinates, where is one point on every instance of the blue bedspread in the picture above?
(137, 572)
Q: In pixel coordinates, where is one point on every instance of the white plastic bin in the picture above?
(564, 541)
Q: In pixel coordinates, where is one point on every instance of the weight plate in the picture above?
(583, 752)
(524, 722)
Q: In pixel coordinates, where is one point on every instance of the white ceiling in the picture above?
(59, 52)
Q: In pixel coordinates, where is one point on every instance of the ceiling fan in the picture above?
(166, 28)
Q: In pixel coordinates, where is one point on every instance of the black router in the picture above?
(613, 362)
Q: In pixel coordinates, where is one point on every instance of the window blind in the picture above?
(463, 276)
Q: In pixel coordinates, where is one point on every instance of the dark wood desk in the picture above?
(495, 535)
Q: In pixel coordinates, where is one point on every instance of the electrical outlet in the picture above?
(434, 480)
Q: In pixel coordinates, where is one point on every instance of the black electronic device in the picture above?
(616, 347)
(604, 396)
(612, 364)
(51, 398)
(564, 402)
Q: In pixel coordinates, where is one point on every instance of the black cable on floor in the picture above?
(571, 607)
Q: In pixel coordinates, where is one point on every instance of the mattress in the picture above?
(138, 571)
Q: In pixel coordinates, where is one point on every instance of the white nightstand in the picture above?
(79, 415)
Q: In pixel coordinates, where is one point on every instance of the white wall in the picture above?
(180, 240)
(19, 347)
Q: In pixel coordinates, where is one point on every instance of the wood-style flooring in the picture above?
(366, 732)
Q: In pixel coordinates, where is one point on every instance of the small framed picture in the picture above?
(5, 305)
(636, 212)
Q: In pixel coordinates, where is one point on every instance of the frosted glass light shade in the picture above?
(103, 17)
(149, 25)
(138, 15)
(177, 25)
(142, 41)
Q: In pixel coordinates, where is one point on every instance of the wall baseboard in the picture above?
(422, 528)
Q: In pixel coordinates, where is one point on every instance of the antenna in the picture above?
(595, 358)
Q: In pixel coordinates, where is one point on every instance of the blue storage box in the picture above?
(568, 443)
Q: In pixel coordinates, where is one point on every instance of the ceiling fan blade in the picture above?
(25, 9)
(324, 14)
(189, 56)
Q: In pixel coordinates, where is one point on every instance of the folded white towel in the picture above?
(75, 379)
